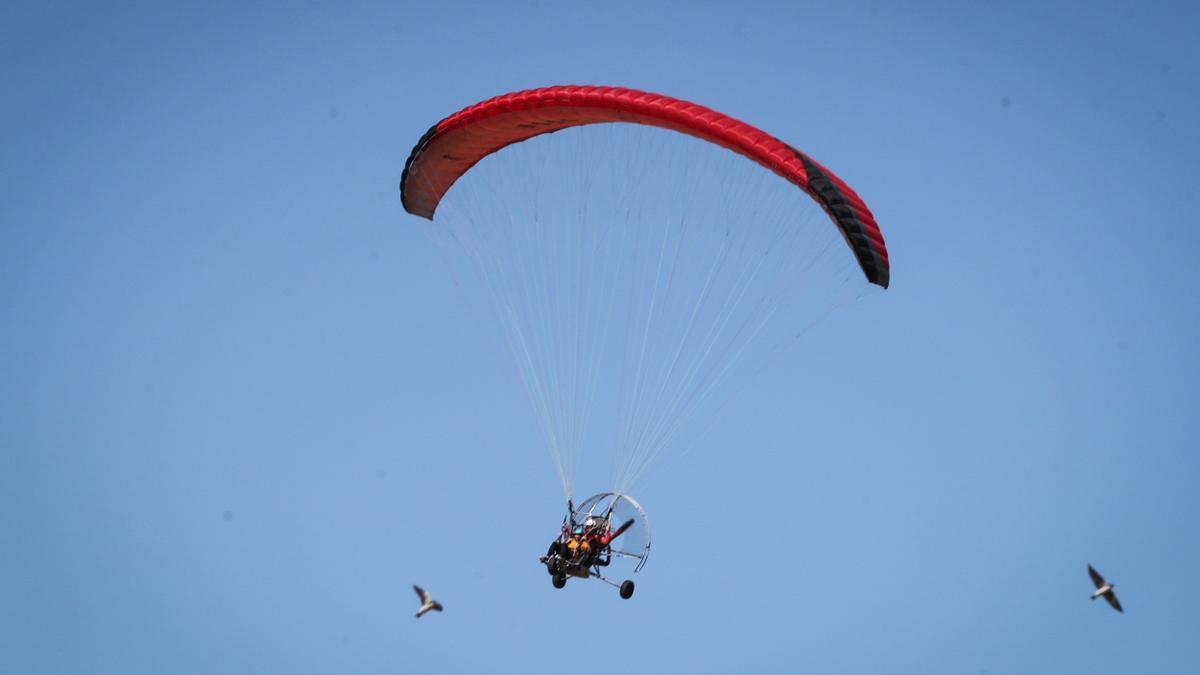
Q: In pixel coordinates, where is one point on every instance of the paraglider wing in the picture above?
(451, 147)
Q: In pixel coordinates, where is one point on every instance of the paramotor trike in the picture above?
(606, 528)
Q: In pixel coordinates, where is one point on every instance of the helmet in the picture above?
(589, 523)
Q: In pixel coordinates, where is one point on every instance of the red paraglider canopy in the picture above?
(451, 147)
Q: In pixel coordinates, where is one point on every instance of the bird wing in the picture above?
(421, 594)
(1096, 578)
(1112, 600)
(437, 606)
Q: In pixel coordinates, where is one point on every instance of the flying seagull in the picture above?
(427, 603)
(1103, 588)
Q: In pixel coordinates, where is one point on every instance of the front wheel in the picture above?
(560, 580)
(627, 589)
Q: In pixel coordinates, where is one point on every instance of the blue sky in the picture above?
(245, 407)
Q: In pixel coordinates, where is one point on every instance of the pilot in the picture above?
(577, 543)
(596, 532)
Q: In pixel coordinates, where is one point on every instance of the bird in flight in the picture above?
(427, 603)
(1104, 589)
